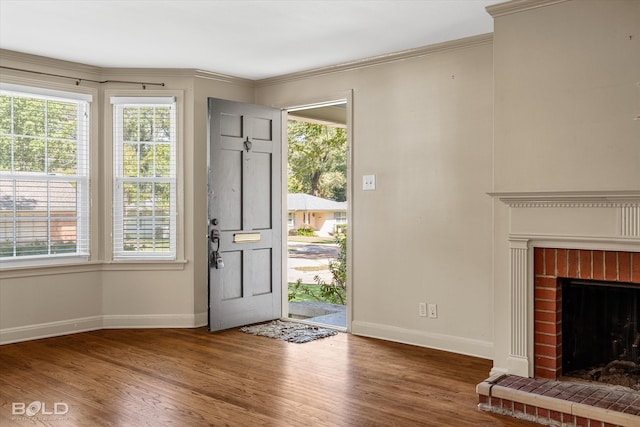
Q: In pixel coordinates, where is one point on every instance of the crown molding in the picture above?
(380, 60)
(225, 78)
(10, 58)
(516, 6)
(26, 63)
(568, 199)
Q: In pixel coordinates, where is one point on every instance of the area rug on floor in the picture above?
(289, 331)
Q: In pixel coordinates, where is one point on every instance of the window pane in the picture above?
(130, 124)
(130, 160)
(63, 235)
(31, 237)
(32, 199)
(28, 155)
(62, 120)
(63, 199)
(62, 157)
(5, 153)
(146, 124)
(163, 124)
(163, 160)
(147, 160)
(5, 114)
(28, 117)
(162, 199)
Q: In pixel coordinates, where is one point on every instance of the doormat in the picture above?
(289, 331)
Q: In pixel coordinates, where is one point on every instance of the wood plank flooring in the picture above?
(189, 377)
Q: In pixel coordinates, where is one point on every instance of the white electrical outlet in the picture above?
(368, 182)
(433, 311)
(422, 309)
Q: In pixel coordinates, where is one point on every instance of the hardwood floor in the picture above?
(189, 377)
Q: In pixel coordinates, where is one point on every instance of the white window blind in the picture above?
(44, 175)
(144, 205)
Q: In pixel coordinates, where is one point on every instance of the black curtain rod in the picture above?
(79, 80)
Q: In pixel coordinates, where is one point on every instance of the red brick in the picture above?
(585, 264)
(572, 263)
(561, 262)
(483, 399)
(518, 407)
(555, 415)
(598, 265)
(546, 362)
(635, 267)
(545, 339)
(624, 266)
(496, 402)
(538, 261)
(610, 265)
(543, 413)
(581, 422)
(530, 410)
(546, 328)
(550, 262)
(545, 316)
(546, 282)
(546, 305)
(545, 293)
(546, 350)
(548, 374)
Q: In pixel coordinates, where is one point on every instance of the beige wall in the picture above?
(567, 93)
(423, 126)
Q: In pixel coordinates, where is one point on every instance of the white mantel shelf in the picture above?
(568, 198)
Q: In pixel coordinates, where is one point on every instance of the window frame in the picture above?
(117, 199)
(82, 178)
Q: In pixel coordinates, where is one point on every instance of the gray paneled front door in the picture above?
(244, 214)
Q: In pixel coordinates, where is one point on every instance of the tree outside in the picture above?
(317, 160)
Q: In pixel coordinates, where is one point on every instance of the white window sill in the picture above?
(88, 266)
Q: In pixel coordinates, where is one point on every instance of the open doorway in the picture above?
(317, 213)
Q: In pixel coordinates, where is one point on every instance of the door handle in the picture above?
(214, 236)
(216, 258)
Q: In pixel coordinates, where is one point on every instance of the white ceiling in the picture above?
(251, 39)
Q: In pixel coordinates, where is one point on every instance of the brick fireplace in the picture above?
(546, 245)
(549, 265)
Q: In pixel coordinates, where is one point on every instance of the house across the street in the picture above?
(323, 215)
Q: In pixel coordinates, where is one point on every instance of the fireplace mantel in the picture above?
(568, 198)
(590, 220)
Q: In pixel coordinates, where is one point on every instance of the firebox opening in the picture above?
(600, 333)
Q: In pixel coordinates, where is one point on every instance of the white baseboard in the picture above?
(50, 329)
(201, 319)
(132, 321)
(72, 326)
(454, 344)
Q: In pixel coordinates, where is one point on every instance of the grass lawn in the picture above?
(302, 295)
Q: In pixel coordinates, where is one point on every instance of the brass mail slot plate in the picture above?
(246, 237)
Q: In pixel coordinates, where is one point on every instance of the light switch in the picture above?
(368, 182)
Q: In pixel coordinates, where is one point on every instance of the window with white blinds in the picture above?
(44, 175)
(144, 201)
